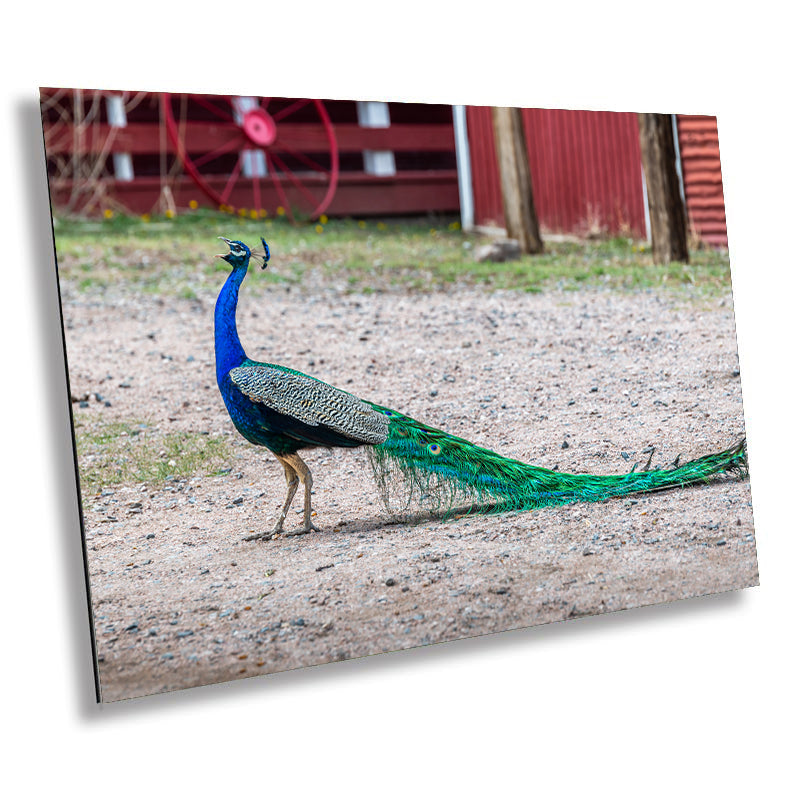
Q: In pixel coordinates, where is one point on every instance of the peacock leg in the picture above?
(304, 472)
(291, 487)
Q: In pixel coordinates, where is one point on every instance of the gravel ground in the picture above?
(583, 382)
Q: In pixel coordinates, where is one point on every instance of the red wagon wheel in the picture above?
(257, 154)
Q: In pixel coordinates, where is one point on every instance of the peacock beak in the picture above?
(228, 242)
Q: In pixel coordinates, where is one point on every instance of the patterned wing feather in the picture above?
(310, 401)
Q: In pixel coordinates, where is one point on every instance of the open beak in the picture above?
(228, 242)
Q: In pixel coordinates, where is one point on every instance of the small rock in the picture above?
(499, 250)
(390, 581)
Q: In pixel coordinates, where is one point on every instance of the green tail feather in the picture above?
(447, 472)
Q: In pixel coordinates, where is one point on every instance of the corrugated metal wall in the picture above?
(702, 178)
(585, 166)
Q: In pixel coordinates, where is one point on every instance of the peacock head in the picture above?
(239, 255)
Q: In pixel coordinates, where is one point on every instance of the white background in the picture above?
(695, 698)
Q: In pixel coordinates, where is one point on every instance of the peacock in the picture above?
(287, 411)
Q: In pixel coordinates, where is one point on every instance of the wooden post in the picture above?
(515, 179)
(668, 228)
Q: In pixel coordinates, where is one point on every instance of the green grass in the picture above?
(113, 453)
(176, 257)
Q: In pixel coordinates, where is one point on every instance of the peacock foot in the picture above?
(278, 532)
(265, 536)
(300, 531)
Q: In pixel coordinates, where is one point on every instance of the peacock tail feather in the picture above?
(446, 472)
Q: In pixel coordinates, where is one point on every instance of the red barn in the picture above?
(144, 153)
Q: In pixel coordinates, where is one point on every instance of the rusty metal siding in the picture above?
(702, 178)
(585, 167)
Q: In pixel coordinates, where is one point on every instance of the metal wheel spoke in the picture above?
(235, 172)
(285, 112)
(293, 178)
(278, 186)
(201, 101)
(309, 162)
(219, 151)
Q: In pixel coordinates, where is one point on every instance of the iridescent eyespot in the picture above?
(435, 449)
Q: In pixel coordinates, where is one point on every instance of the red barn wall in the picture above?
(585, 167)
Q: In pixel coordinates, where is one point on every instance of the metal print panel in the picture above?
(355, 377)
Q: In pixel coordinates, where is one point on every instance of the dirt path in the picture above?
(580, 381)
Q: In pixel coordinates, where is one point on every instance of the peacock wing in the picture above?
(310, 401)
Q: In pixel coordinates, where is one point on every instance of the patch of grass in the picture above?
(113, 453)
(176, 257)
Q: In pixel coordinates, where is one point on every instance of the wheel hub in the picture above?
(259, 127)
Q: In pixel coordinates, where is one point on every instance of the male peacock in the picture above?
(286, 411)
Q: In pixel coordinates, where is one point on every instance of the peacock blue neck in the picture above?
(227, 347)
